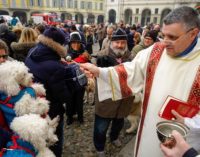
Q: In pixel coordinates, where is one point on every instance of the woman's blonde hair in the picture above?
(28, 35)
(137, 38)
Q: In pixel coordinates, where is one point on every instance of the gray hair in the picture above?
(185, 15)
(110, 27)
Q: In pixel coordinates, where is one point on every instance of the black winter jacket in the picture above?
(44, 62)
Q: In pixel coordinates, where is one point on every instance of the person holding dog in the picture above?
(169, 67)
(44, 62)
(109, 111)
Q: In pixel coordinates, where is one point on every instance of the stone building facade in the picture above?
(143, 11)
(83, 11)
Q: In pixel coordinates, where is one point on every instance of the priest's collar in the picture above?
(189, 49)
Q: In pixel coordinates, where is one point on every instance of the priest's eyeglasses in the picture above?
(175, 38)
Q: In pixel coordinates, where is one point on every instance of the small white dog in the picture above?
(38, 137)
(27, 97)
(14, 77)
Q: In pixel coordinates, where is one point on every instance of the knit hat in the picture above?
(119, 34)
(75, 36)
(55, 34)
(3, 28)
(152, 34)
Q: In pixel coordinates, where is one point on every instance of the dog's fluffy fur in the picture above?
(38, 136)
(28, 104)
(90, 89)
(14, 74)
(134, 116)
(28, 124)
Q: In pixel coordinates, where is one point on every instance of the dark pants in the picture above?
(101, 126)
(58, 146)
(75, 104)
(100, 44)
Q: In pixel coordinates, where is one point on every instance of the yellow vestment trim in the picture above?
(112, 86)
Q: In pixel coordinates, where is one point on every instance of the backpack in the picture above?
(75, 78)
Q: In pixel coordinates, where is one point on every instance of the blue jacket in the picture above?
(45, 65)
(9, 112)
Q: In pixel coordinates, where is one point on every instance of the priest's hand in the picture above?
(179, 149)
(90, 69)
(178, 117)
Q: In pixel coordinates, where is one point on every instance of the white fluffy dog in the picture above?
(14, 78)
(13, 75)
(38, 136)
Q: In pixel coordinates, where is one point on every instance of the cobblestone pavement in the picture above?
(79, 138)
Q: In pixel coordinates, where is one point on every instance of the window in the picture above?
(82, 5)
(96, 5)
(156, 11)
(31, 2)
(137, 11)
(89, 5)
(54, 3)
(39, 3)
(47, 3)
(155, 20)
(75, 4)
(62, 3)
(70, 4)
(136, 19)
(101, 6)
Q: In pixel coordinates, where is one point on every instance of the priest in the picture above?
(170, 67)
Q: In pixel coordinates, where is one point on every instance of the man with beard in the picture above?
(109, 111)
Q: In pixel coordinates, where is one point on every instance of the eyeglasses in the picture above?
(4, 56)
(175, 38)
(148, 38)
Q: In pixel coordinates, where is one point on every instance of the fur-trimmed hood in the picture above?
(20, 47)
(61, 50)
(47, 49)
(20, 50)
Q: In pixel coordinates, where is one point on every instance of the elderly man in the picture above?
(107, 40)
(111, 111)
(171, 67)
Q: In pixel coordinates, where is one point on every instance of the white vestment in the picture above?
(173, 76)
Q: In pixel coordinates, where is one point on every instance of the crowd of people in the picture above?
(134, 65)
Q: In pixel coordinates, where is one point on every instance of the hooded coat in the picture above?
(44, 61)
(20, 50)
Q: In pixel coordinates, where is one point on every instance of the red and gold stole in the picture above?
(194, 96)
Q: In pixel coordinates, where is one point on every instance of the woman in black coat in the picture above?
(44, 61)
(78, 53)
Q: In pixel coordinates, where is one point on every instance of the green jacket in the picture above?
(138, 48)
